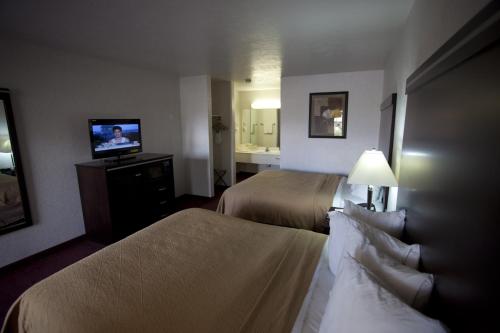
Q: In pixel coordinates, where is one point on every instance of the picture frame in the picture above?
(328, 115)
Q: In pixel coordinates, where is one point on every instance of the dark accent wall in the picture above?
(386, 133)
(449, 177)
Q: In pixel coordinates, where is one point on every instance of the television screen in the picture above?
(113, 137)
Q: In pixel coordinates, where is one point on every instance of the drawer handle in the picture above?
(163, 202)
(163, 188)
(138, 174)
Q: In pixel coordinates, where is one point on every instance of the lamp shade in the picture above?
(5, 144)
(372, 169)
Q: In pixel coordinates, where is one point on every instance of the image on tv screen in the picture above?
(116, 136)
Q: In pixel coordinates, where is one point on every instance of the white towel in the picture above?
(268, 128)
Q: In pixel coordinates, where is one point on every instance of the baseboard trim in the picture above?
(50, 250)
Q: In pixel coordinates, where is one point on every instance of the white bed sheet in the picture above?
(313, 307)
(344, 192)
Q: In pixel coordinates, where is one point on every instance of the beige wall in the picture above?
(54, 93)
(196, 121)
(429, 25)
(236, 117)
(299, 152)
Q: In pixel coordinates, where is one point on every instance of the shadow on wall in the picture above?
(195, 183)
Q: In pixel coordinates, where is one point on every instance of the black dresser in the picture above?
(122, 197)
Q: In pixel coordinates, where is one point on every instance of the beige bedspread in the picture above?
(285, 198)
(195, 271)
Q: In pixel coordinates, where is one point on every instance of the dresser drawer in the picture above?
(157, 171)
(126, 197)
(161, 208)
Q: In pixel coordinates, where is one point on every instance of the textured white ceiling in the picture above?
(231, 39)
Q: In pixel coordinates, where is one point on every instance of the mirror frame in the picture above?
(5, 97)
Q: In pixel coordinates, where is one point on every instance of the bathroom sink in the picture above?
(258, 155)
(251, 149)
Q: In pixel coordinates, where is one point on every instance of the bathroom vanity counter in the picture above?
(258, 156)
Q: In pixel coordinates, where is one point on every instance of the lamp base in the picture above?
(369, 197)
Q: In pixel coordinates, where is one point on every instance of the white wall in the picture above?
(299, 152)
(430, 24)
(53, 95)
(236, 116)
(221, 105)
(196, 114)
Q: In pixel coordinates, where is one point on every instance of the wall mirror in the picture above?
(14, 206)
(261, 127)
(246, 124)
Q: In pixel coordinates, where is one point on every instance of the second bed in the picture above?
(294, 199)
(281, 197)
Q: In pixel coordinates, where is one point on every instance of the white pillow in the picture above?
(412, 286)
(347, 234)
(358, 304)
(390, 222)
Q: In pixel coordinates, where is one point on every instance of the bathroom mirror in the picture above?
(264, 127)
(14, 207)
(246, 124)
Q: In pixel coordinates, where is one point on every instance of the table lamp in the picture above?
(372, 169)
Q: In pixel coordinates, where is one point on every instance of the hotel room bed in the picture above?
(195, 271)
(314, 304)
(281, 197)
(292, 198)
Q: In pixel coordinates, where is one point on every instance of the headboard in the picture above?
(386, 132)
(450, 173)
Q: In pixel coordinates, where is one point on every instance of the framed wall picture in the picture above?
(328, 115)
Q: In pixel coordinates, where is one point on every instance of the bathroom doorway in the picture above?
(257, 130)
(222, 140)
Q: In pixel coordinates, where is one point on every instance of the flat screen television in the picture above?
(114, 137)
